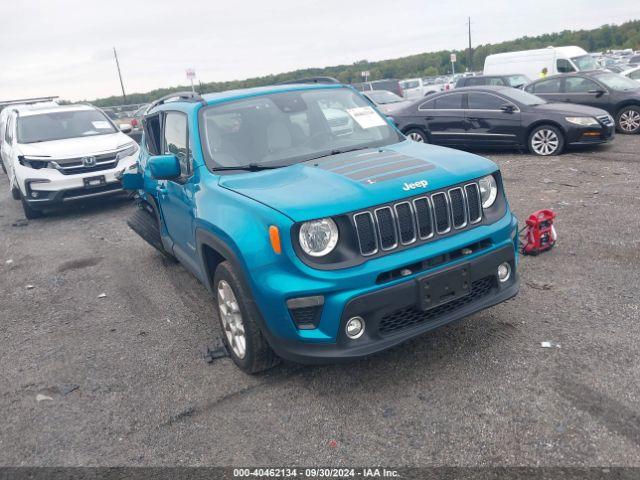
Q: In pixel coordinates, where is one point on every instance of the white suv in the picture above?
(60, 153)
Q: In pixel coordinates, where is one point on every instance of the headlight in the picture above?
(583, 121)
(318, 237)
(488, 190)
(127, 152)
(34, 163)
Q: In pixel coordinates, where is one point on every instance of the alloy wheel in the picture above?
(545, 142)
(630, 121)
(416, 137)
(231, 317)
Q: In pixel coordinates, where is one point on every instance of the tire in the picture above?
(4, 169)
(29, 212)
(417, 135)
(145, 223)
(238, 316)
(546, 140)
(628, 120)
(15, 193)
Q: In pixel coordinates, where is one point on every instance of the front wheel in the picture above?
(417, 135)
(628, 120)
(546, 140)
(238, 315)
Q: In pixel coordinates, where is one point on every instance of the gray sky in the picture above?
(63, 47)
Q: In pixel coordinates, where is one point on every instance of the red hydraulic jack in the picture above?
(540, 234)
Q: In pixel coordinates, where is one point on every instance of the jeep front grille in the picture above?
(420, 219)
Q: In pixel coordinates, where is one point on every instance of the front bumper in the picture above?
(590, 136)
(393, 314)
(45, 188)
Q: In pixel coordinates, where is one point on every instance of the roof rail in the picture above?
(27, 101)
(177, 97)
(311, 80)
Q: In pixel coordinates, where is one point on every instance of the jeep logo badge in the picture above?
(89, 161)
(412, 186)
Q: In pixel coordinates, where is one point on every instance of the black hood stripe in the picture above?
(397, 174)
(384, 169)
(343, 160)
(375, 162)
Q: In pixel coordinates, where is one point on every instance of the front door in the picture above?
(585, 91)
(177, 197)
(487, 123)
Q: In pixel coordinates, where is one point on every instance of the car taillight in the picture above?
(134, 123)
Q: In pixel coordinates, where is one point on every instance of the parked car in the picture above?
(634, 60)
(530, 63)
(389, 84)
(57, 154)
(514, 80)
(318, 247)
(387, 102)
(618, 95)
(503, 117)
(414, 88)
(632, 73)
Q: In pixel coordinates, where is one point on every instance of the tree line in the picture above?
(606, 37)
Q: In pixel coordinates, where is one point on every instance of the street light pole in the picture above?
(469, 65)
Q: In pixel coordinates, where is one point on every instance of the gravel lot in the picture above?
(127, 382)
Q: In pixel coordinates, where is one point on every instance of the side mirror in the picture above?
(508, 108)
(164, 167)
(597, 92)
(125, 128)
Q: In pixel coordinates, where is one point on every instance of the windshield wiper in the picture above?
(338, 152)
(252, 167)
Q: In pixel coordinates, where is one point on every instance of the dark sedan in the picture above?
(618, 95)
(502, 117)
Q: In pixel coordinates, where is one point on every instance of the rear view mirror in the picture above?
(164, 167)
(125, 128)
(508, 108)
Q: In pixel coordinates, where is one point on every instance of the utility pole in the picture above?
(469, 64)
(124, 95)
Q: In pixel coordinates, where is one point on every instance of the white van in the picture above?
(531, 62)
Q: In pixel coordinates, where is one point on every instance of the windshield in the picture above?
(43, 127)
(382, 97)
(524, 98)
(286, 128)
(517, 80)
(585, 62)
(617, 82)
(408, 84)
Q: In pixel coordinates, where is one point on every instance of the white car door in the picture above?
(7, 145)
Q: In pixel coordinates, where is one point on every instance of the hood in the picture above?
(389, 108)
(570, 109)
(75, 147)
(356, 180)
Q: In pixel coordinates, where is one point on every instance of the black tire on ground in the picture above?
(144, 222)
(628, 120)
(2, 165)
(29, 212)
(15, 193)
(258, 354)
(545, 140)
(417, 135)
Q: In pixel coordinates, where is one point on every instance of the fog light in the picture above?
(355, 327)
(504, 272)
(35, 194)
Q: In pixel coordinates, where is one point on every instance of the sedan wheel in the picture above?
(629, 120)
(231, 317)
(546, 140)
(417, 136)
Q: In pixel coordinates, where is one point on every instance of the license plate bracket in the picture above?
(444, 287)
(93, 182)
